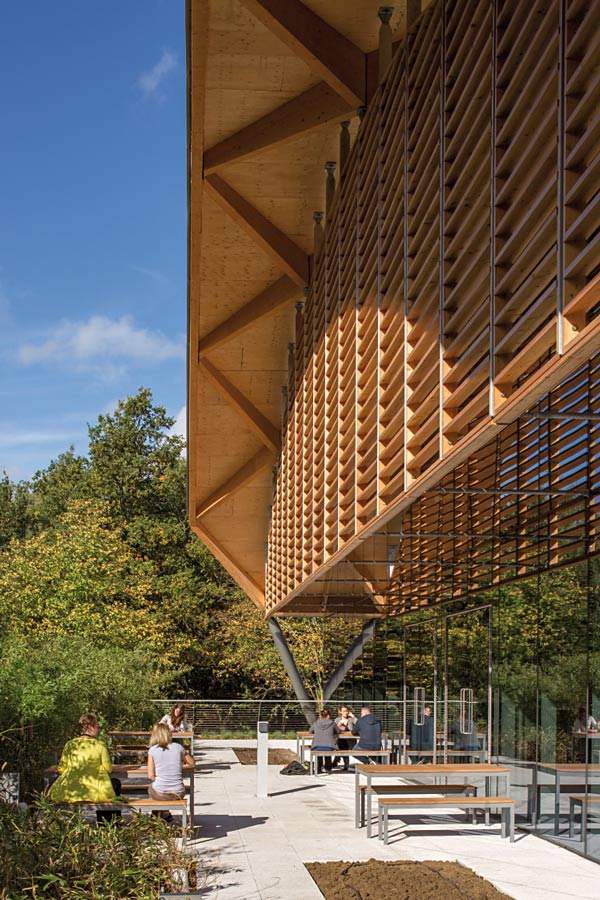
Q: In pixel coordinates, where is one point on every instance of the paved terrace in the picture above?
(256, 848)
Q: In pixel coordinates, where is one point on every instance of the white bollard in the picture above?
(262, 758)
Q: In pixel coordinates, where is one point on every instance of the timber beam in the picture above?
(326, 52)
(259, 424)
(246, 582)
(309, 110)
(264, 304)
(264, 459)
(282, 250)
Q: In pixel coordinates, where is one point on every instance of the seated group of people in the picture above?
(85, 767)
(327, 733)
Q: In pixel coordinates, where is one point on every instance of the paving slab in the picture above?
(256, 849)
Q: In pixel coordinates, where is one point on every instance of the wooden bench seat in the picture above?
(388, 804)
(587, 802)
(403, 790)
(147, 805)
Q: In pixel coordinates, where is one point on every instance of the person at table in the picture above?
(166, 759)
(344, 722)
(175, 720)
(584, 723)
(325, 734)
(368, 729)
(85, 769)
(421, 734)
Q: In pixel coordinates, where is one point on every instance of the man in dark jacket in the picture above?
(368, 729)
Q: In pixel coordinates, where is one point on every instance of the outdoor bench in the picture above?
(403, 790)
(359, 753)
(436, 803)
(585, 801)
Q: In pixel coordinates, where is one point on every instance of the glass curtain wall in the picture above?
(541, 713)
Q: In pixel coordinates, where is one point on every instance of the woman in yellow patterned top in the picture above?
(85, 768)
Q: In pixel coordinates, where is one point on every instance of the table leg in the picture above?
(356, 798)
(298, 754)
(192, 798)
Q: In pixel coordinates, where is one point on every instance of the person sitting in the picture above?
(421, 734)
(368, 729)
(166, 760)
(325, 734)
(344, 722)
(84, 769)
(175, 720)
(584, 723)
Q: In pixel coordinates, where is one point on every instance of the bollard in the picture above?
(262, 759)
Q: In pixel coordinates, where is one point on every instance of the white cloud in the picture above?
(16, 437)
(102, 345)
(180, 426)
(153, 274)
(149, 82)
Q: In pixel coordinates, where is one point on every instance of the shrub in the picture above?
(50, 852)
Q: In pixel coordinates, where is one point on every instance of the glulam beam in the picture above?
(262, 460)
(276, 295)
(282, 250)
(326, 52)
(243, 578)
(259, 424)
(309, 110)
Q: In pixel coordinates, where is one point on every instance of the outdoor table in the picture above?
(488, 770)
(560, 769)
(304, 739)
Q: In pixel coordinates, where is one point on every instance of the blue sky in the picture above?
(93, 224)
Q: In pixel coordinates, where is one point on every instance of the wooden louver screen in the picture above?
(460, 256)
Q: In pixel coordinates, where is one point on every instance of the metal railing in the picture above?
(238, 718)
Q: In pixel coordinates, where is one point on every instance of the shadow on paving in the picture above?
(213, 827)
(307, 787)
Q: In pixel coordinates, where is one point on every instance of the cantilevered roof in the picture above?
(264, 119)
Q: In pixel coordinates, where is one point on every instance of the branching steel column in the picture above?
(289, 664)
(354, 652)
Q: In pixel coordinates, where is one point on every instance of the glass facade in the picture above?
(512, 675)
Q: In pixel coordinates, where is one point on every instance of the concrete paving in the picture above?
(256, 849)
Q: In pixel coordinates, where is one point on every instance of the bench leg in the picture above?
(385, 826)
(504, 822)
(487, 794)
(584, 817)
(369, 814)
(572, 819)
(380, 822)
(362, 809)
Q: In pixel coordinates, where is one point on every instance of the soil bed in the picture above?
(247, 757)
(400, 880)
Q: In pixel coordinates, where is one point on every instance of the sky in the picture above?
(92, 218)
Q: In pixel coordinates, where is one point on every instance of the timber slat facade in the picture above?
(461, 255)
(434, 389)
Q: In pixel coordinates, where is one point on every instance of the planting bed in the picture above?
(247, 756)
(400, 880)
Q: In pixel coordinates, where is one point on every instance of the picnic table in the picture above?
(131, 774)
(304, 739)
(468, 770)
(560, 770)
